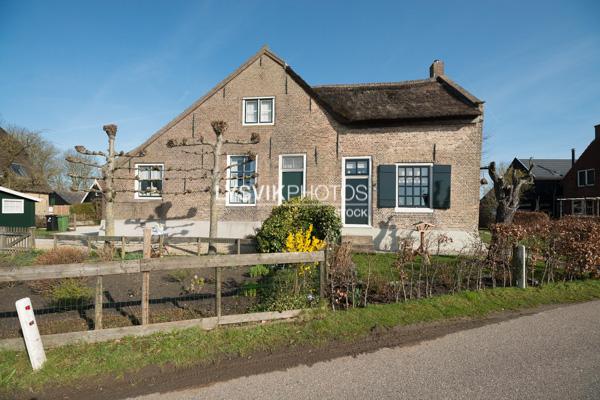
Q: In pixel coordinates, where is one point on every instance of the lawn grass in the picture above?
(42, 233)
(318, 327)
(19, 259)
(485, 235)
(382, 264)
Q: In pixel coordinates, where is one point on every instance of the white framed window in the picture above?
(586, 177)
(13, 206)
(241, 186)
(292, 176)
(413, 187)
(149, 182)
(258, 111)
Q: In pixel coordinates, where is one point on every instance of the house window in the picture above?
(578, 207)
(242, 181)
(149, 182)
(13, 206)
(18, 169)
(292, 175)
(259, 111)
(414, 182)
(586, 177)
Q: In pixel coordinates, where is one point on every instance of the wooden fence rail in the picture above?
(146, 265)
(162, 240)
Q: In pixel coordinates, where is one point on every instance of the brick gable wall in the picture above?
(301, 126)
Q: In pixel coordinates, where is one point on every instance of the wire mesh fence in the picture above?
(173, 293)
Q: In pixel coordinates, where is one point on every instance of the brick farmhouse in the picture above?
(387, 155)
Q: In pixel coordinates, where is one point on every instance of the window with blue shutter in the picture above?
(386, 186)
(441, 186)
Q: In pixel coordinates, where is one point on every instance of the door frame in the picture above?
(343, 191)
(280, 183)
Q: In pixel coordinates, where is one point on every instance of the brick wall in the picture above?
(301, 126)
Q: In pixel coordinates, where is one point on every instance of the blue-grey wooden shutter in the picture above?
(441, 186)
(386, 186)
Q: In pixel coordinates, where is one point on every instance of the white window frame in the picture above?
(415, 209)
(280, 193)
(136, 194)
(585, 174)
(244, 99)
(343, 191)
(21, 203)
(227, 203)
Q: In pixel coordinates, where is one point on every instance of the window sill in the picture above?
(413, 210)
(240, 205)
(257, 123)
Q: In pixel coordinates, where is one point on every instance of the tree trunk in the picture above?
(214, 194)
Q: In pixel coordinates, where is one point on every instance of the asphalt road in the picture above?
(551, 355)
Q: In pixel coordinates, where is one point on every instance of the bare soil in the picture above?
(170, 300)
(169, 378)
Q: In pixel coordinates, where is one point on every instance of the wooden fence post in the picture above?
(199, 246)
(238, 242)
(323, 276)
(161, 244)
(32, 236)
(218, 292)
(520, 266)
(146, 277)
(98, 303)
(55, 242)
(122, 247)
(89, 245)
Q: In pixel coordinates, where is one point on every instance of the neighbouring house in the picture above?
(16, 171)
(68, 197)
(386, 155)
(581, 188)
(547, 182)
(17, 209)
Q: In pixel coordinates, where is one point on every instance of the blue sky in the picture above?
(68, 67)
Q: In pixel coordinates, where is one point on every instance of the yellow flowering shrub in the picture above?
(304, 241)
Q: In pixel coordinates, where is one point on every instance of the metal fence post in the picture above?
(520, 265)
(146, 278)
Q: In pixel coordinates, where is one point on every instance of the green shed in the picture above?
(16, 209)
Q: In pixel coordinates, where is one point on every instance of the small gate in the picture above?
(16, 238)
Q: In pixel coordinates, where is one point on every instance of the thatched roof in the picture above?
(432, 98)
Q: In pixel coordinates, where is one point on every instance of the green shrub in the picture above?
(259, 271)
(294, 215)
(70, 292)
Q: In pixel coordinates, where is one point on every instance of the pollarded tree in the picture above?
(213, 173)
(508, 187)
(107, 170)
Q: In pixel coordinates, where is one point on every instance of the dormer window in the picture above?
(259, 111)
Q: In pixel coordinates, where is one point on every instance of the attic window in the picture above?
(149, 182)
(18, 169)
(259, 111)
(585, 177)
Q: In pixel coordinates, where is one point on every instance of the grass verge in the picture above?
(319, 327)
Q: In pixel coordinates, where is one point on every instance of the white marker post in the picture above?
(31, 333)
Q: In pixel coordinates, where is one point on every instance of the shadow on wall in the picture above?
(161, 216)
(387, 237)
